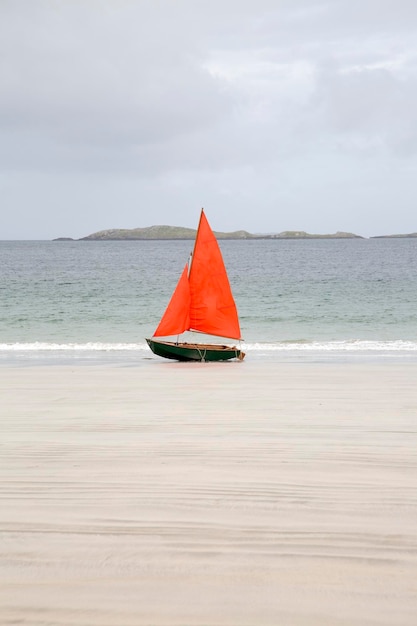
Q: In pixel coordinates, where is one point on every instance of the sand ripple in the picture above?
(210, 495)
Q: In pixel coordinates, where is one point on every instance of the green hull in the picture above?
(194, 351)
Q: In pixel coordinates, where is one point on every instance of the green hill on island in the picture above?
(158, 232)
(301, 234)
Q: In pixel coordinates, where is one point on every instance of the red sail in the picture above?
(202, 301)
(176, 318)
(213, 310)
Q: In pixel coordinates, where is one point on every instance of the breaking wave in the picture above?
(290, 346)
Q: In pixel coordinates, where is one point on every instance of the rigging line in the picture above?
(202, 356)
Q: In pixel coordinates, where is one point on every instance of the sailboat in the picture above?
(202, 302)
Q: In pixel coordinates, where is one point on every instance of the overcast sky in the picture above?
(271, 114)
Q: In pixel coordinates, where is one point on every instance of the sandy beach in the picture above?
(209, 494)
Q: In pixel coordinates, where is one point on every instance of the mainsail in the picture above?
(202, 300)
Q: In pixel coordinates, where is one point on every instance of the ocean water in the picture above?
(305, 299)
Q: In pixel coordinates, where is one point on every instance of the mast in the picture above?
(190, 261)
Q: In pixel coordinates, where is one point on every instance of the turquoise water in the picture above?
(321, 296)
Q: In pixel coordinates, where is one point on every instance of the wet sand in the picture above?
(209, 494)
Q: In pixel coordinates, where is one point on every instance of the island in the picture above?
(301, 234)
(179, 232)
(155, 233)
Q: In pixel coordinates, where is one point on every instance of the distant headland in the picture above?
(179, 232)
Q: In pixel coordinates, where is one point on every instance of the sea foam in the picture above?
(293, 346)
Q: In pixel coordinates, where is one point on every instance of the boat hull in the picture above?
(194, 351)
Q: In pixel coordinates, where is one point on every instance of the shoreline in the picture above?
(250, 493)
(21, 354)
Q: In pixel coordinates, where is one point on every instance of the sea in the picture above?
(94, 302)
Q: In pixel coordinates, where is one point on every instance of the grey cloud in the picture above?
(278, 102)
(83, 86)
